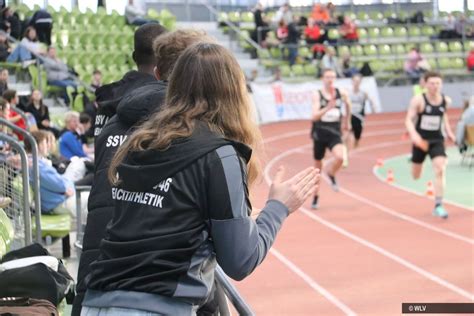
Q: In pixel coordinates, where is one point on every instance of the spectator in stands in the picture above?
(96, 79)
(449, 27)
(207, 85)
(467, 119)
(4, 48)
(109, 96)
(463, 27)
(85, 124)
(12, 100)
(470, 60)
(347, 67)
(312, 32)
(10, 22)
(134, 107)
(54, 188)
(57, 73)
(135, 15)
(41, 112)
(285, 14)
(259, 35)
(282, 31)
(320, 14)
(330, 61)
(3, 80)
(411, 65)
(42, 21)
(70, 143)
(29, 45)
(348, 31)
(292, 40)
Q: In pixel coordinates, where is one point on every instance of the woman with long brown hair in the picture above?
(182, 200)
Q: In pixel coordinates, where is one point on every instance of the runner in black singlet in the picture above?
(429, 111)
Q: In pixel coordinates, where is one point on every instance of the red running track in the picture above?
(369, 247)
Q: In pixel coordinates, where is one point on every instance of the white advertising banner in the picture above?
(280, 101)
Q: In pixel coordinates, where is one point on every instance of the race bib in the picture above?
(333, 115)
(430, 122)
(357, 108)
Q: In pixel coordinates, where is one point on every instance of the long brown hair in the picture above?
(206, 85)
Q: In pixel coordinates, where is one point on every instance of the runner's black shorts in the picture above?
(357, 126)
(436, 149)
(324, 138)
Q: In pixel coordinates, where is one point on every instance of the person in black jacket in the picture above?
(133, 108)
(109, 96)
(41, 112)
(42, 21)
(180, 186)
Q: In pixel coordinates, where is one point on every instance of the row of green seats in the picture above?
(77, 40)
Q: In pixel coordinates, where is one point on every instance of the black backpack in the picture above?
(36, 281)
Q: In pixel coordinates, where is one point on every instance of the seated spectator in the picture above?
(470, 60)
(467, 119)
(135, 15)
(42, 21)
(330, 61)
(449, 28)
(10, 22)
(348, 30)
(348, 69)
(3, 80)
(28, 45)
(56, 191)
(292, 41)
(412, 65)
(57, 72)
(463, 27)
(320, 14)
(285, 14)
(96, 79)
(282, 31)
(84, 129)
(41, 113)
(4, 48)
(70, 143)
(12, 100)
(312, 32)
(259, 36)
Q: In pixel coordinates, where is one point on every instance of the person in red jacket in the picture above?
(470, 60)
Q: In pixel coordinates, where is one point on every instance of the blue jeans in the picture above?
(19, 54)
(64, 84)
(292, 53)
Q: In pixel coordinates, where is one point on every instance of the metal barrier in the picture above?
(20, 198)
(35, 173)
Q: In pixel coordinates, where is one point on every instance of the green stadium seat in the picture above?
(285, 71)
(387, 32)
(433, 63)
(246, 17)
(457, 63)
(374, 32)
(400, 31)
(305, 52)
(428, 30)
(384, 49)
(376, 16)
(370, 50)
(444, 63)
(399, 49)
(426, 48)
(310, 70)
(455, 47)
(441, 47)
(275, 52)
(298, 70)
(264, 54)
(362, 16)
(414, 31)
(343, 50)
(234, 17)
(333, 34)
(362, 32)
(376, 65)
(357, 50)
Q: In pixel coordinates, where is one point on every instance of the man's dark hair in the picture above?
(432, 74)
(143, 43)
(9, 95)
(84, 118)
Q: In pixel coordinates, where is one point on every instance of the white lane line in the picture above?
(313, 284)
(368, 244)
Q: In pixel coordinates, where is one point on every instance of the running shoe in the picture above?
(440, 212)
(334, 185)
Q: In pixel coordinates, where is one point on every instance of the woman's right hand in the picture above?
(294, 191)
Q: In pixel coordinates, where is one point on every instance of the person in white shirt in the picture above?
(136, 15)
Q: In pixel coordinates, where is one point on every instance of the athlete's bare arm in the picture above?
(447, 126)
(371, 101)
(414, 108)
(317, 111)
(348, 105)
